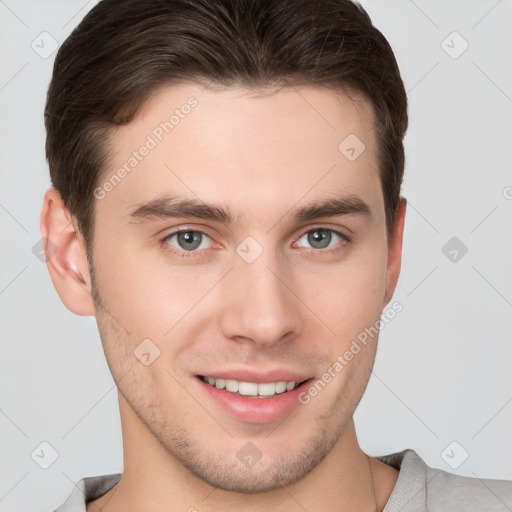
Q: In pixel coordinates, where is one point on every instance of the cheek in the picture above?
(146, 294)
(152, 299)
(350, 297)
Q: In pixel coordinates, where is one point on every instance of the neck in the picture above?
(346, 479)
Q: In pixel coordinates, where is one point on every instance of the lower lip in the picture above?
(254, 409)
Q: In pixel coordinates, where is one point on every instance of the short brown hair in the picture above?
(123, 51)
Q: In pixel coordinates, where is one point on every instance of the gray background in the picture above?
(443, 367)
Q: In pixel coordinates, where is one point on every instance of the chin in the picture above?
(251, 471)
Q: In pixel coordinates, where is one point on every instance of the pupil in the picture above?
(189, 239)
(320, 238)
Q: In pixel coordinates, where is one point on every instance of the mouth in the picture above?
(252, 389)
(261, 402)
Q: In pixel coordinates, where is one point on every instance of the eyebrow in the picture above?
(177, 207)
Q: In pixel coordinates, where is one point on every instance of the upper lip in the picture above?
(247, 375)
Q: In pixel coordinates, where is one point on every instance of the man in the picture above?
(226, 202)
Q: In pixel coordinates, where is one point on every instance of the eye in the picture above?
(322, 238)
(188, 240)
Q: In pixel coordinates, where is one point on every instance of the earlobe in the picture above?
(395, 251)
(65, 255)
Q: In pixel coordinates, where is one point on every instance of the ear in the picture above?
(395, 251)
(65, 255)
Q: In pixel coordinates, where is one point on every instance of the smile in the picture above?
(252, 389)
(260, 402)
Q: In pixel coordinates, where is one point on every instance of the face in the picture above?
(242, 250)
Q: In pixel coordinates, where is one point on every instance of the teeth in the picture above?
(267, 389)
(280, 387)
(251, 388)
(232, 385)
(247, 388)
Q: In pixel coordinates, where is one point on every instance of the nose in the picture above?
(260, 303)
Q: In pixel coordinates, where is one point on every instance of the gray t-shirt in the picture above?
(418, 488)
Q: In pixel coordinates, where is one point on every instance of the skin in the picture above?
(262, 155)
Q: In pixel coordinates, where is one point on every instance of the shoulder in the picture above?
(421, 487)
(88, 489)
(468, 493)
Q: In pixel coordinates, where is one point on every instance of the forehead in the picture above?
(233, 145)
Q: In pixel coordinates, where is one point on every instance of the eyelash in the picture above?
(176, 252)
(194, 254)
